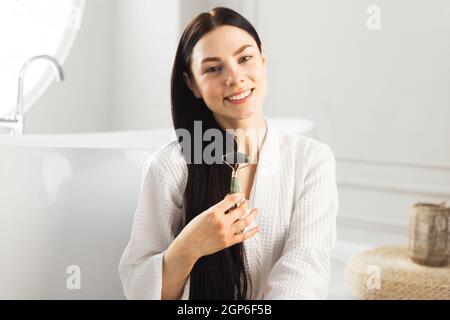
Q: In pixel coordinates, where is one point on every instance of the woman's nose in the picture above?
(235, 77)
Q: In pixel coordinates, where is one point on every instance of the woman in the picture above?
(186, 242)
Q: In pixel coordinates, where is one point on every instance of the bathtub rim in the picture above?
(129, 139)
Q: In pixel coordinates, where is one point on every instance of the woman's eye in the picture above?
(215, 69)
(212, 70)
(246, 58)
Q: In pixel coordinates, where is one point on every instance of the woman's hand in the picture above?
(214, 230)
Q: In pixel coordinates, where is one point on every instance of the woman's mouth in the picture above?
(241, 98)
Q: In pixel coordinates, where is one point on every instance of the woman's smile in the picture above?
(241, 98)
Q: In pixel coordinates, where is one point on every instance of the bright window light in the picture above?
(29, 28)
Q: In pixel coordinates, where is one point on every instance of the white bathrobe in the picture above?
(296, 194)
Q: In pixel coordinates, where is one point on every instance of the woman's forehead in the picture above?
(224, 40)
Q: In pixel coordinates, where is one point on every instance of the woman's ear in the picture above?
(263, 56)
(192, 86)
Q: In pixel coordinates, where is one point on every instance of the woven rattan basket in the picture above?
(387, 273)
(429, 234)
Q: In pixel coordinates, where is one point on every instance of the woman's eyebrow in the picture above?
(235, 54)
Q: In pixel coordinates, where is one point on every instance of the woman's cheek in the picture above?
(212, 95)
(206, 90)
(258, 73)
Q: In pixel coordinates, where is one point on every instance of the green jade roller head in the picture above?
(236, 161)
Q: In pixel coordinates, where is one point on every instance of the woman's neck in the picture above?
(249, 134)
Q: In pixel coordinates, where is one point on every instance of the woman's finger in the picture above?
(239, 212)
(228, 202)
(246, 235)
(243, 223)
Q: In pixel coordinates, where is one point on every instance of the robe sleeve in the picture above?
(303, 269)
(157, 220)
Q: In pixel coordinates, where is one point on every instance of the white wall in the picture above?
(146, 38)
(376, 95)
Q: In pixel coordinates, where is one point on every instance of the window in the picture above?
(29, 28)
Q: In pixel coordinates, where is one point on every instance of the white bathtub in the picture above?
(69, 200)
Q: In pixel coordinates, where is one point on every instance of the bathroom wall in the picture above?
(380, 97)
(146, 36)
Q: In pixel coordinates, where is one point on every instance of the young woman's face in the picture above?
(227, 62)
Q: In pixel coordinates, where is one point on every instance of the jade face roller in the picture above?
(236, 161)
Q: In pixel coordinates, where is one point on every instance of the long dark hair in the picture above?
(224, 274)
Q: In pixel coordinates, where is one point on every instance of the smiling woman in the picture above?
(190, 238)
(29, 28)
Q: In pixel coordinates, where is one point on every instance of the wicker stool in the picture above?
(388, 273)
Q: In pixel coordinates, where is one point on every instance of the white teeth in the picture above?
(240, 96)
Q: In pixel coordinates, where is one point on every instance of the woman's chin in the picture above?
(243, 113)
